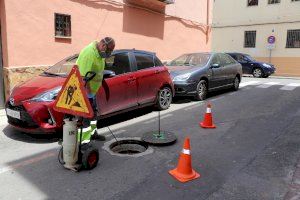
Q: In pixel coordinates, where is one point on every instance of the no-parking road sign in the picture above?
(271, 39)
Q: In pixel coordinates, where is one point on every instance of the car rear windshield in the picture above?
(193, 60)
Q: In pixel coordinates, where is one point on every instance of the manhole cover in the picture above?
(159, 138)
(133, 147)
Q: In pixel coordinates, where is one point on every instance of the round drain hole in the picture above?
(128, 147)
(134, 147)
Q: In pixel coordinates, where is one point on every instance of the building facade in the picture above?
(268, 30)
(36, 34)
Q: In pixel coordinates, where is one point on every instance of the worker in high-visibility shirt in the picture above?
(92, 58)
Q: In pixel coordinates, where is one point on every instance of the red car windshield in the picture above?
(62, 68)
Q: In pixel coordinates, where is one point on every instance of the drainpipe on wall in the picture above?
(207, 19)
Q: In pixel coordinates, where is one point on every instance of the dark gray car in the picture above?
(196, 74)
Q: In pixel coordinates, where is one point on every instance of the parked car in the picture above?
(196, 74)
(251, 66)
(132, 79)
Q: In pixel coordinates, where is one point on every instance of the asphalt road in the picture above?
(252, 154)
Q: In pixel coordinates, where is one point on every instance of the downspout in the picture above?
(207, 19)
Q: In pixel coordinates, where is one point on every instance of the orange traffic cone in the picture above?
(207, 122)
(184, 171)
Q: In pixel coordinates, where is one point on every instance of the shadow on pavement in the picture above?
(210, 96)
(143, 111)
(14, 134)
(125, 116)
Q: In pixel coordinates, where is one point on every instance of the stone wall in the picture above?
(16, 75)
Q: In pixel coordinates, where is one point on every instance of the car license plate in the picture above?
(13, 113)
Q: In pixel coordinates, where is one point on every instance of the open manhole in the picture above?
(128, 147)
(133, 147)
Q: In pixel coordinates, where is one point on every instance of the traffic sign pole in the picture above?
(271, 45)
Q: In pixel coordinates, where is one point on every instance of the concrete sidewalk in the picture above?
(2, 112)
(285, 77)
(3, 119)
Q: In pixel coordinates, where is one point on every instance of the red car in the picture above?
(132, 79)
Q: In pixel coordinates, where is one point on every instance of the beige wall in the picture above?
(236, 12)
(29, 30)
(229, 28)
(231, 39)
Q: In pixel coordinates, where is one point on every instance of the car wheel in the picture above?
(265, 76)
(236, 83)
(164, 98)
(257, 73)
(201, 90)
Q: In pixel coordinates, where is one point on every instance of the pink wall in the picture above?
(194, 10)
(29, 26)
(3, 32)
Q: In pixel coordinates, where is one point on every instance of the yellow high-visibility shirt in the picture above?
(90, 60)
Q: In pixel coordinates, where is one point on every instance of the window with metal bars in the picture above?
(250, 39)
(62, 25)
(273, 1)
(295, 0)
(293, 39)
(252, 2)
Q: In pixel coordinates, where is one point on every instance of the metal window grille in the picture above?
(250, 39)
(62, 25)
(273, 1)
(252, 2)
(295, 0)
(293, 39)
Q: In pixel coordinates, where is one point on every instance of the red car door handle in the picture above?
(157, 71)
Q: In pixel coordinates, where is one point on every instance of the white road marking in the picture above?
(268, 84)
(162, 117)
(249, 83)
(290, 86)
(5, 169)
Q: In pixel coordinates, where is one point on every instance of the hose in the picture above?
(112, 133)
(60, 156)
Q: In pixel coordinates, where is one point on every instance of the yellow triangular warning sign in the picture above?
(72, 99)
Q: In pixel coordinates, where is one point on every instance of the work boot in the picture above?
(98, 137)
